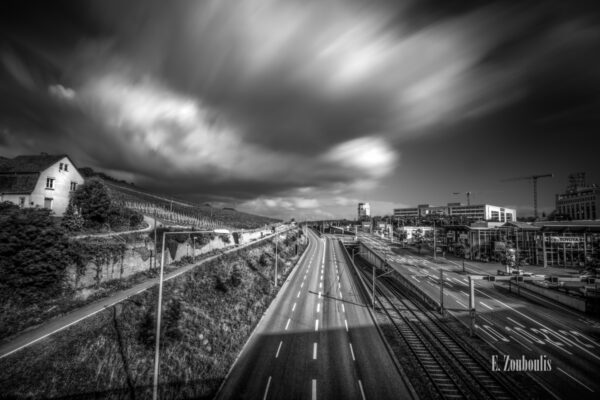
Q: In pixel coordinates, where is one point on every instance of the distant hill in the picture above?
(177, 211)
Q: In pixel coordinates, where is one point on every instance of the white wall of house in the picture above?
(17, 199)
(61, 188)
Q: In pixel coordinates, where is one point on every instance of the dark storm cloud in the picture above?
(263, 97)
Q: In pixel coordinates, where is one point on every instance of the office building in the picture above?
(580, 201)
(484, 212)
(364, 211)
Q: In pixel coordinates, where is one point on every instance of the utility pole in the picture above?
(472, 305)
(442, 291)
(434, 242)
(275, 261)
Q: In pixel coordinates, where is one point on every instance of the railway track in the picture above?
(453, 370)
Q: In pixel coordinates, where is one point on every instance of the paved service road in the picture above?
(317, 339)
(516, 326)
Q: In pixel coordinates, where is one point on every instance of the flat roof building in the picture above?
(484, 212)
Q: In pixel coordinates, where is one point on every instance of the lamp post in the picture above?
(159, 309)
(194, 247)
(434, 242)
(275, 261)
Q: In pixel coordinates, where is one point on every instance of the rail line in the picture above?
(453, 370)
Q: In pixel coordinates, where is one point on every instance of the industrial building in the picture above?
(483, 212)
(580, 201)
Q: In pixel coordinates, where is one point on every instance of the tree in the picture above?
(72, 220)
(93, 200)
(418, 239)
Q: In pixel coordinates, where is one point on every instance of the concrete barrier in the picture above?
(554, 295)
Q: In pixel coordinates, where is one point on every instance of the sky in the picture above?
(303, 108)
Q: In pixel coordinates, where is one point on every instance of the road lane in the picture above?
(329, 334)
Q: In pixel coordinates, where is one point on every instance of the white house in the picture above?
(39, 181)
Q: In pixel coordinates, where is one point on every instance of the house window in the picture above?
(48, 203)
(49, 183)
(21, 202)
(60, 167)
(66, 167)
(73, 186)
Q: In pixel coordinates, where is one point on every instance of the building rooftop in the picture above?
(18, 183)
(28, 164)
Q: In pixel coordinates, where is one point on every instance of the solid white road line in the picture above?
(314, 389)
(316, 325)
(287, 324)
(352, 352)
(314, 350)
(267, 389)
(362, 392)
(575, 379)
(278, 348)
(515, 322)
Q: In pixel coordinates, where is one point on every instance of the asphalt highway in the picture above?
(515, 326)
(317, 339)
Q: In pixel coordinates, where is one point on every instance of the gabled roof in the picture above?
(18, 183)
(29, 164)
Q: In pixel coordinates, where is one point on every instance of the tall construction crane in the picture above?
(534, 179)
(468, 196)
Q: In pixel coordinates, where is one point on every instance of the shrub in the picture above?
(32, 253)
(72, 220)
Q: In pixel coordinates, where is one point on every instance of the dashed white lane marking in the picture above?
(294, 307)
(485, 305)
(466, 294)
(346, 323)
(412, 276)
(314, 350)
(287, 324)
(340, 295)
(278, 348)
(575, 379)
(362, 392)
(302, 285)
(298, 294)
(320, 284)
(316, 325)
(319, 294)
(515, 322)
(343, 310)
(267, 389)
(321, 277)
(318, 307)
(339, 285)
(352, 352)
(140, 291)
(314, 389)
(459, 302)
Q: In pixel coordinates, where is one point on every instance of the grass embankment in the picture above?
(16, 316)
(208, 314)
